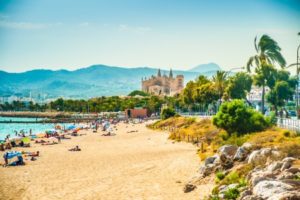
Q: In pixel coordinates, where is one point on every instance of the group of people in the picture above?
(52, 137)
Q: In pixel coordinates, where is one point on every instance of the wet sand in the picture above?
(138, 165)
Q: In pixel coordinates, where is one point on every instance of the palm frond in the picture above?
(255, 44)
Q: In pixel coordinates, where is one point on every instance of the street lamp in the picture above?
(297, 95)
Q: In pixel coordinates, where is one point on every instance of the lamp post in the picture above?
(297, 87)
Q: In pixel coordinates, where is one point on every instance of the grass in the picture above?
(209, 138)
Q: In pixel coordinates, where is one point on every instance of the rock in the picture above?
(286, 165)
(241, 154)
(293, 170)
(275, 155)
(260, 175)
(210, 160)
(289, 159)
(188, 188)
(274, 166)
(245, 193)
(227, 164)
(224, 188)
(286, 175)
(251, 197)
(247, 146)
(206, 170)
(290, 195)
(228, 150)
(268, 188)
(266, 152)
(256, 158)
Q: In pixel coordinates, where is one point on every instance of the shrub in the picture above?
(167, 113)
(232, 193)
(220, 176)
(237, 117)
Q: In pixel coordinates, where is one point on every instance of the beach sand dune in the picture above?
(138, 165)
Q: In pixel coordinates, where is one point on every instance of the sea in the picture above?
(10, 128)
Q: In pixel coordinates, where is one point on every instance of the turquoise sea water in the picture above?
(10, 128)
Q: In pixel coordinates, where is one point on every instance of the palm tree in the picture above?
(220, 81)
(268, 53)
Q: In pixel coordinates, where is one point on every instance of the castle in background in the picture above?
(163, 85)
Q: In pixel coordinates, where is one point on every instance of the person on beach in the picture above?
(32, 154)
(75, 149)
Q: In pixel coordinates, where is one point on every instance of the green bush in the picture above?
(167, 113)
(232, 193)
(237, 117)
(219, 176)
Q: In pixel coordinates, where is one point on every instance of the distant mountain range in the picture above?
(96, 80)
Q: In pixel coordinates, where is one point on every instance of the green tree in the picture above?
(283, 89)
(220, 81)
(238, 86)
(268, 53)
(205, 94)
(237, 117)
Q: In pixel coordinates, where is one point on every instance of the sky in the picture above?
(178, 34)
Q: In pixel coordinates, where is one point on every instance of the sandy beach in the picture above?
(135, 165)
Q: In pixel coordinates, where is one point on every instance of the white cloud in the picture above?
(84, 24)
(26, 25)
(137, 29)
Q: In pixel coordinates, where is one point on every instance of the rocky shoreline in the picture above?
(260, 174)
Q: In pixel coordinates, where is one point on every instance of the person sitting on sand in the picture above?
(49, 143)
(75, 149)
(32, 154)
(40, 141)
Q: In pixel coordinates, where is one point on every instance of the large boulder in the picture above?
(228, 150)
(264, 156)
(268, 189)
(211, 160)
(274, 166)
(256, 158)
(241, 154)
(206, 170)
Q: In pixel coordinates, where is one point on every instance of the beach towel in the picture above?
(26, 140)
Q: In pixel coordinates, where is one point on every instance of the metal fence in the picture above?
(290, 124)
(197, 114)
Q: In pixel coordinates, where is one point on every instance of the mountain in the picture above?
(96, 80)
(209, 68)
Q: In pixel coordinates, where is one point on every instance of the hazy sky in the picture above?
(70, 34)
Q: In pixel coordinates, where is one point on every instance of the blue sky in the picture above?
(70, 34)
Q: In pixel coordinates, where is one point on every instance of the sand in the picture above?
(139, 165)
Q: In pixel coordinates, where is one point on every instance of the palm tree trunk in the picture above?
(263, 99)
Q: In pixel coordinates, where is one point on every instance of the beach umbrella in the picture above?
(71, 127)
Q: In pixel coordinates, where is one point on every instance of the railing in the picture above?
(197, 114)
(290, 124)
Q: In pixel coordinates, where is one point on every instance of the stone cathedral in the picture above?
(163, 85)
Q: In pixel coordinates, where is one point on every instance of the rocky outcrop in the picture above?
(242, 152)
(273, 176)
(264, 156)
(278, 181)
(274, 190)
